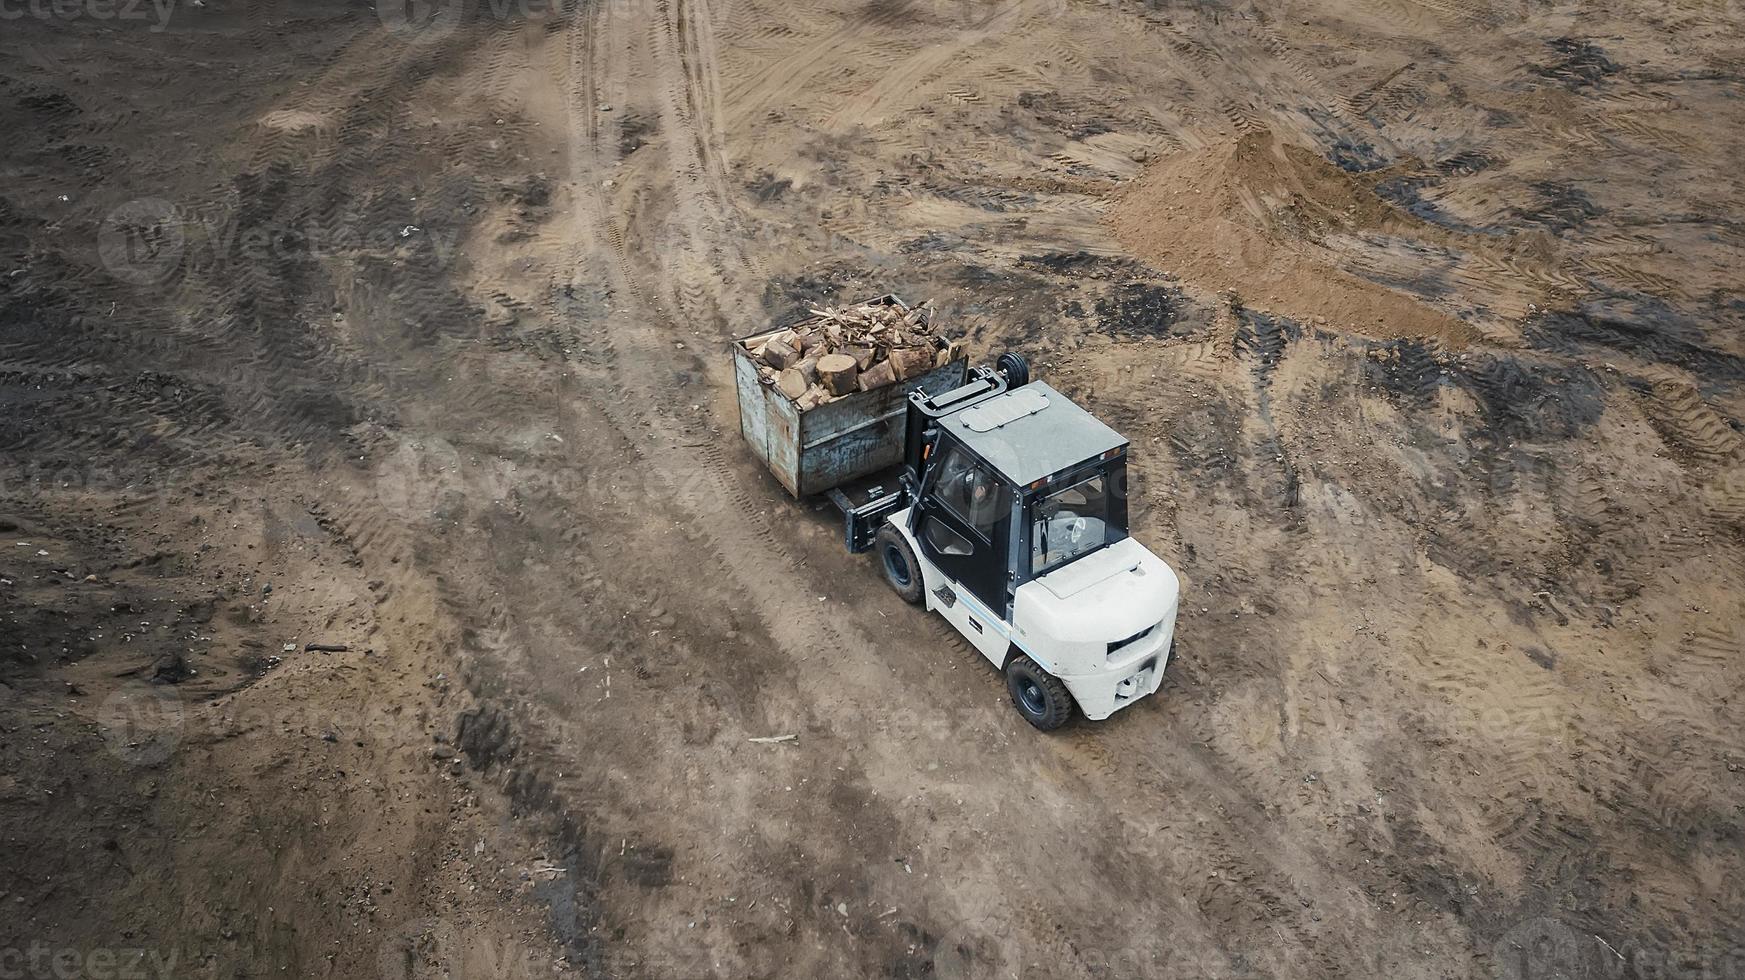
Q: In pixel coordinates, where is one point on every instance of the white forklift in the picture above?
(1004, 510)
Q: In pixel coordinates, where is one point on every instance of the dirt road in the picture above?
(325, 323)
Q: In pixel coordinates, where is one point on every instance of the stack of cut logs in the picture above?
(845, 349)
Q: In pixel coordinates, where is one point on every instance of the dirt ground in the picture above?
(331, 323)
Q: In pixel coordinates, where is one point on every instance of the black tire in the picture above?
(897, 560)
(1016, 369)
(1038, 695)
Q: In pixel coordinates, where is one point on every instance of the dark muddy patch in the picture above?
(1561, 207)
(532, 191)
(1081, 263)
(48, 106)
(491, 743)
(1407, 194)
(768, 187)
(1519, 400)
(1408, 370)
(1261, 339)
(877, 12)
(1465, 163)
(1355, 157)
(1582, 64)
(1142, 309)
(998, 201)
(633, 133)
(1524, 401)
(1638, 326)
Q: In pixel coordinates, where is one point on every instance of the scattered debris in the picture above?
(772, 739)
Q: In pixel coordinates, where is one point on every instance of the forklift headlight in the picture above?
(1119, 645)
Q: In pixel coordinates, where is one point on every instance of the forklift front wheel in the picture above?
(898, 561)
(1038, 695)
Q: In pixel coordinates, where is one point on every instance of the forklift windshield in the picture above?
(1077, 519)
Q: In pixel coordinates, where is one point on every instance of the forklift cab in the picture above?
(1015, 531)
(1016, 487)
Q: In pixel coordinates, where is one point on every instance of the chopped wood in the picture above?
(836, 351)
(780, 354)
(839, 373)
(877, 376)
(812, 398)
(793, 383)
(911, 362)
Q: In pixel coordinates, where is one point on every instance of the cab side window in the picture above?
(970, 492)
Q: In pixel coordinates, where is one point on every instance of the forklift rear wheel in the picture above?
(1038, 695)
(898, 560)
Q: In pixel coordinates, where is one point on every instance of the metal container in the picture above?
(842, 440)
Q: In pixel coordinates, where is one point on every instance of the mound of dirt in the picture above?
(1249, 216)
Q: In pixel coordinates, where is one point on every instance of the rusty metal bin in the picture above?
(842, 440)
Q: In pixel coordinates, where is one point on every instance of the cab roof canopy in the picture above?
(1031, 432)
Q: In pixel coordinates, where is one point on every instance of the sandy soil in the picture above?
(1424, 320)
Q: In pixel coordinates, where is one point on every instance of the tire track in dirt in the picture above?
(768, 572)
(909, 79)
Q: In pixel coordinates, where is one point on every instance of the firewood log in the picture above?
(838, 373)
(779, 354)
(911, 362)
(877, 376)
(792, 383)
(862, 353)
